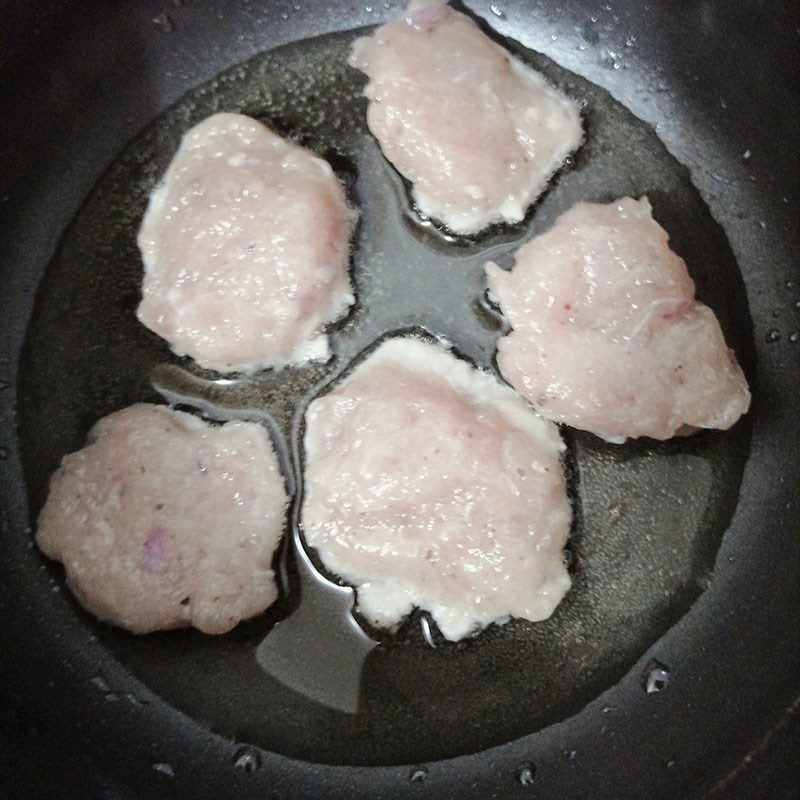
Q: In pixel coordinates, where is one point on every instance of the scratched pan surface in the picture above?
(655, 575)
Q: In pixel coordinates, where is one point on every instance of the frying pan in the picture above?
(672, 669)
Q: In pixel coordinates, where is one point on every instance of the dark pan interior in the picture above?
(650, 518)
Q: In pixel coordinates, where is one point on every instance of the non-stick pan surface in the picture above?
(686, 553)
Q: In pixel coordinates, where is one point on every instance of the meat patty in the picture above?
(429, 484)
(607, 335)
(477, 132)
(246, 248)
(165, 521)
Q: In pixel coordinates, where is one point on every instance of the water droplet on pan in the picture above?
(655, 677)
(247, 759)
(164, 769)
(526, 774)
(163, 23)
(418, 774)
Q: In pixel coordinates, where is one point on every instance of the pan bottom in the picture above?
(649, 516)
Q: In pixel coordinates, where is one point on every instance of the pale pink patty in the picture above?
(165, 521)
(246, 249)
(430, 484)
(477, 132)
(607, 335)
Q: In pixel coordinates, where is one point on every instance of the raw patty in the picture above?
(476, 131)
(246, 247)
(427, 483)
(607, 335)
(164, 521)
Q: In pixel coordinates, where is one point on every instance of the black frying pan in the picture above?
(685, 553)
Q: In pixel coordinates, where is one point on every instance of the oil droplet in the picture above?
(163, 23)
(746, 155)
(607, 709)
(772, 336)
(670, 762)
(247, 759)
(164, 769)
(526, 774)
(418, 774)
(655, 677)
(793, 337)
